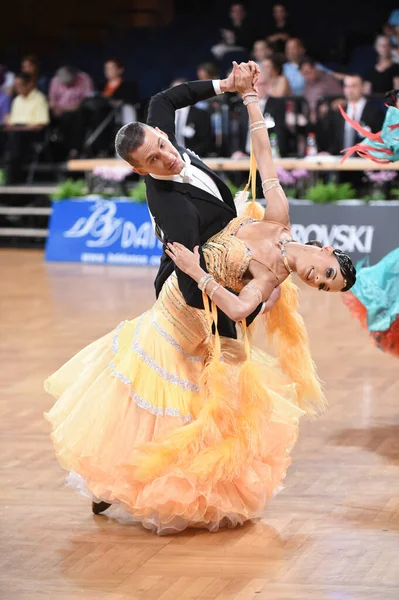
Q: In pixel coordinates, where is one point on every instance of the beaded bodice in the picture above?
(227, 257)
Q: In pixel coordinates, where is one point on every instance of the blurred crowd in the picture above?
(68, 115)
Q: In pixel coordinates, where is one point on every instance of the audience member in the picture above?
(28, 117)
(276, 84)
(30, 66)
(116, 88)
(237, 34)
(261, 50)
(335, 134)
(5, 100)
(193, 128)
(281, 30)
(294, 53)
(317, 85)
(239, 25)
(68, 89)
(8, 83)
(385, 74)
(207, 70)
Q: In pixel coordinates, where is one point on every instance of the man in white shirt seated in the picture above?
(25, 125)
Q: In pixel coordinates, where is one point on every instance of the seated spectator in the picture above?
(237, 34)
(30, 66)
(294, 53)
(28, 118)
(261, 50)
(5, 100)
(116, 88)
(68, 89)
(281, 30)
(193, 128)
(385, 74)
(317, 85)
(207, 70)
(276, 84)
(8, 83)
(335, 134)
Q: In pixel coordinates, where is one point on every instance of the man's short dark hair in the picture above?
(128, 139)
(25, 77)
(357, 75)
(307, 61)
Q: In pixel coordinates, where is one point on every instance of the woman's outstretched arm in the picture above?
(276, 200)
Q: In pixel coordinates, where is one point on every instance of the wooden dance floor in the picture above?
(331, 534)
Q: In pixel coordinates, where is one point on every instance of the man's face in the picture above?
(237, 12)
(309, 73)
(353, 88)
(294, 50)
(157, 155)
(28, 67)
(21, 87)
(279, 12)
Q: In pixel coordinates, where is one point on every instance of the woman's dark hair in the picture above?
(277, 61)
(345, 264)
(116, 62)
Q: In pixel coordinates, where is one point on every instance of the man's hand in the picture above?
(230, 84)
(245, 77)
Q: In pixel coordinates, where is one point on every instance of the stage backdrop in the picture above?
(118, 232)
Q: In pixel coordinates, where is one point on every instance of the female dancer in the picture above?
(374, 299)
(182, 427)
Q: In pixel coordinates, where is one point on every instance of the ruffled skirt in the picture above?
(148, 420)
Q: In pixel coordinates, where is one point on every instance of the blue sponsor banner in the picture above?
(111, 232)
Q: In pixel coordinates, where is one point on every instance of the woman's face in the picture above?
(261, 50)
(112, 70)
(383, 47)
(320, 269)
(268, 70)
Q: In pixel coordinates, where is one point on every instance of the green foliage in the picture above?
(291, 192)
(330, 192)
(2, 177)
(138, 192)
(395, 193)
(70, 188)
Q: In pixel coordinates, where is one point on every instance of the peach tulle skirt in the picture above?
(147, 421)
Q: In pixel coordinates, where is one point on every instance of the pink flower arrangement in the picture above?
(380, 176)
(291, 177)
(110, 173)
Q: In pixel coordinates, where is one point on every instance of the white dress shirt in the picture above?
(195, 176)
(354, 111)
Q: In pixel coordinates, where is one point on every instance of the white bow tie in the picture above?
(186, 171)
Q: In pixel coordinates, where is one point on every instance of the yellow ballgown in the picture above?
(180, 427)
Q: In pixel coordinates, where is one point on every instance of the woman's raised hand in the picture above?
(246, 76)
